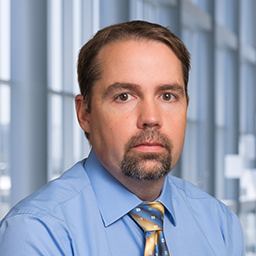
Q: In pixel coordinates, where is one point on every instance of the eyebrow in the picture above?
(120, 86)
(173, 87)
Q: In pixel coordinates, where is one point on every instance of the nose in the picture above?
(149, 115)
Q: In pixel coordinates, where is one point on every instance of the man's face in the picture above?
(138, 114)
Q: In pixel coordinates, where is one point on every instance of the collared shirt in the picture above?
(85, 212)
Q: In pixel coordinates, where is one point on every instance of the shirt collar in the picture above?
(166, 198)
(113, 198)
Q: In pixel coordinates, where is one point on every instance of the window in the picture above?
(71, 24)
(221, 36)
(5, 106)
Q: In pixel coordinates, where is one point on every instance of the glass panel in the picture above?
(95, 15)
(77, 141)
(68, 134)
(231, 14)
(247, 99)
(227, 13)
(220, 89)
(189, 37)
(5, 40)
(138, 9)
(194, 1)
(250, 99)
(5, 114)
(67, 30)
(219, 162)
(150, 12)
(5, 109)
(243, 99)
(5, 181)
(190, 153)
(203, 4)
(67, 43)
(80, 143)
(77, 41)
(248, 20)
(220, 11)
(248, 221)
(55, 131)
(55, 45)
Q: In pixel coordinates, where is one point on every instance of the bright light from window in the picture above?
(5, 182)
(4, 104)
(5, 39)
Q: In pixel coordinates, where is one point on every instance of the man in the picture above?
(133, 104)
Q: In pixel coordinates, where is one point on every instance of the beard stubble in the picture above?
(135, 164)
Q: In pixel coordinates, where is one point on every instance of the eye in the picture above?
(124, 97)
(167, 96)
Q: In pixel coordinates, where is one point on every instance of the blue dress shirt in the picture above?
(85, 212)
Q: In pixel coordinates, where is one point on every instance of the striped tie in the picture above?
(149, 217)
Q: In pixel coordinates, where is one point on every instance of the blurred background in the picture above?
(40, 137)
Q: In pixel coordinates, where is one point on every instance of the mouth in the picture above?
(149, 147)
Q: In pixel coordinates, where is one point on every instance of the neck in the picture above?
(146, 190)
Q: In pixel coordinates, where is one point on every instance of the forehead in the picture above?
(126, 44)
(138, 57)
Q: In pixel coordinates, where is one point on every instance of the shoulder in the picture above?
(187, 188)
(209, 213)
(203, 205)
(54, 220)
(40, 219)
(195, 196)
(55, 193)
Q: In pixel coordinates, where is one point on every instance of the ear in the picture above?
(83, 116)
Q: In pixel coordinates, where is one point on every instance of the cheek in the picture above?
(109, 129)
(108, 138)
(175, 129)
(177, 137)
(121, 130)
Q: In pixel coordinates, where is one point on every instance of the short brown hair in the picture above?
(88, 67)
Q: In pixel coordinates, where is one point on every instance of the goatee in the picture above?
(135, 164)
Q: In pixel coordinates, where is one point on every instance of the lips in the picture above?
(149, 144)
(148, 141)
(149, 147)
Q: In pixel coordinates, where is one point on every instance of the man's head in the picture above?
(135, 107)
(89, 69)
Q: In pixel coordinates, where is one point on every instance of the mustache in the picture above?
(149, 135)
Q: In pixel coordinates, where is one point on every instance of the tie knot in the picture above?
(149, 216)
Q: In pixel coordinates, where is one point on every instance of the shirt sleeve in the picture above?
(234, 239)
(29, 235)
